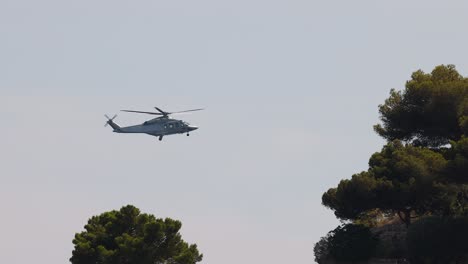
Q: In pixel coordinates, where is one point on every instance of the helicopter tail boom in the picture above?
(110, 122)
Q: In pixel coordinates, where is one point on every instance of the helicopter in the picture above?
(159, 127)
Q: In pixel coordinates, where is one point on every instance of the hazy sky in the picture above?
(291, 90)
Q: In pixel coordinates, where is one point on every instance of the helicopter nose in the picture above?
(191, 128)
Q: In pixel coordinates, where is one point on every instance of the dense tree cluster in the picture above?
(431, 111)
(401, 178)
(348, 242)
(423, 168)
(416, 173)
(435, 240)
(128, 236)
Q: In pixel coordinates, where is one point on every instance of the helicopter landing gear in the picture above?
(160, 138)
(188, 134)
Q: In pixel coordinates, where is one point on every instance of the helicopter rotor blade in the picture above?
(187, 111)
(142, 112)
(161, 111)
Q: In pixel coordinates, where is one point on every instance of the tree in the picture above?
(401, 179)
(355, 196)
(128, 236)
(321, 251)
(457, 166)
(348, 242)
(438, 240)
(431, 111)
(416, 172)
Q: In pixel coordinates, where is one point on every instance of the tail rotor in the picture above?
(109, 120)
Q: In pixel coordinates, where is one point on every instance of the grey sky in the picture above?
(291, 90)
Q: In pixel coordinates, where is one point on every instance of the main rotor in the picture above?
(161, 112)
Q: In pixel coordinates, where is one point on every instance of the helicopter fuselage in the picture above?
(158, 127)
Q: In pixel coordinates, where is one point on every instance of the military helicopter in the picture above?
(159, 127)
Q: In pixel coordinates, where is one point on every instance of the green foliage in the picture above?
(416, 174)
(431, 111)
(400, 163)
(400, 178)
(457, 169)
(356, 196)
(351, 243)
(463, 115)
(321, 251)
(128, 236)
(438, 240)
